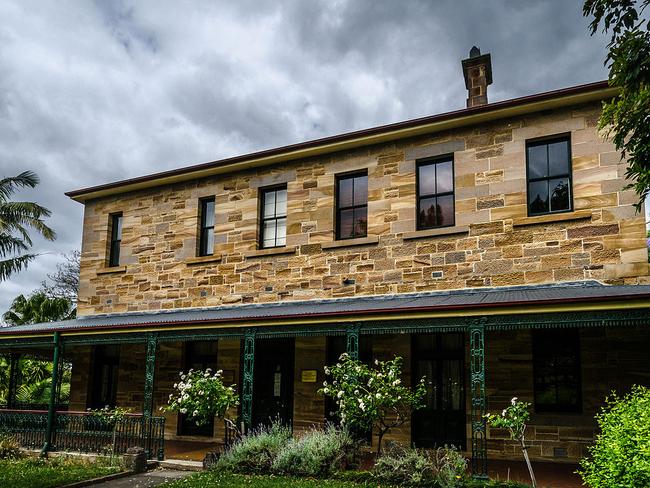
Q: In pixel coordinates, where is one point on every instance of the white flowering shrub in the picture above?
(202, 396)
(371, 397)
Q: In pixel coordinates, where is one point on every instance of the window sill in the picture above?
(442, 231)
(112, 270)
(272, 251)
(558, 217)
(215, 258)
(361, 241)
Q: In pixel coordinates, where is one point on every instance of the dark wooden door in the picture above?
(198, 355)
(441, 359)
(103, 387)
(273, 381)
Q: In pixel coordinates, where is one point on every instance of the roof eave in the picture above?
(342, 142)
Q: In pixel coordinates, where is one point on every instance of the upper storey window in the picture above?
(274, 217)
(548, 165)
(352, 206)
(206, 229)
(116, 240)
(435, 184)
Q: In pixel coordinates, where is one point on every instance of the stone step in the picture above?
(181, 465)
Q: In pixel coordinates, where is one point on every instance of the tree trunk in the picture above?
(530, 467)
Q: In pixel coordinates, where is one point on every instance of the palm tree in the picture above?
(15, 220)
(38, 308)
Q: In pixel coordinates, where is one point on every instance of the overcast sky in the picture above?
(92, 92)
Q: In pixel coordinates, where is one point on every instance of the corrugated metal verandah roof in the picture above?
(584, 291)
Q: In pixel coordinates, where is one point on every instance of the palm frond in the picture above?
(11, 244)
(16, 215)
(10, 184)
(14, 265)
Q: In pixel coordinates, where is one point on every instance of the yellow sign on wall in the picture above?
(309, 375)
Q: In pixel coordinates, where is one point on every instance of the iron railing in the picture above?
(85, 432)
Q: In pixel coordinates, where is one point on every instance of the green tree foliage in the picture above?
(627, 115)
(620, 456)
(38, 308)
(16, 219)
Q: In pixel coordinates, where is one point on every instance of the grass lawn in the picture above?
(36, 473)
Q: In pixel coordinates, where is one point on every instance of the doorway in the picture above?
(198, 355)
(103, 387)
(273, 381)
(441, 359)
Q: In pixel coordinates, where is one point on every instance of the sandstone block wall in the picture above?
(493, 243)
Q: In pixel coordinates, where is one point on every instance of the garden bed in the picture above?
(219, 479)
(49, 473)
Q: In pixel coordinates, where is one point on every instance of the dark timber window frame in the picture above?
(206, 232)
(264, 192)
(549, 345)
(546, 141)
(435, 161)
(339, 210)
(116, 222)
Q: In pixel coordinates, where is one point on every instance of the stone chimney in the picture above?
(477, 70)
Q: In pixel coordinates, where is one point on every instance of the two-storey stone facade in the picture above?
(497, 299)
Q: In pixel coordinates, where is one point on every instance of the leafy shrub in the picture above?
(255, 453)
(9, 447)
(319, 453)
(494, 484)
(620, 455)
(440, 468)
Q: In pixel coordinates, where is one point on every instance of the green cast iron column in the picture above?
(14, 359)
(51, 411)
(352, 341)
(149, 374)
(477, 387)
(247, 382)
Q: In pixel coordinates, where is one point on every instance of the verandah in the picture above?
(151, 434)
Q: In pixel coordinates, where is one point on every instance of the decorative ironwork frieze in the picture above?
(248, 378)
(477, 389)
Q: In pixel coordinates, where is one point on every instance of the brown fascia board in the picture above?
(542, 101)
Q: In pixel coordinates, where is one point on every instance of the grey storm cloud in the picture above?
(96, 92)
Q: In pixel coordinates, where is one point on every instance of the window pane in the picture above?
(281, 202)
(538, 197)
(209, 242)
(444, 177)
(208, 213)
(268, 233)
(360, 221)
(560, 194)
(537, 161)
(269, 204)
(361, 190)
(346, 224)
(281, 232)
(117, 228)
(427, 213)
(558, 158)
(445, 210)
(427, 179)
(345, 193)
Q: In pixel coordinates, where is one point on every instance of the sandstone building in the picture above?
(494, 248)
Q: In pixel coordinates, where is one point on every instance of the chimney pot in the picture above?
(477, 71)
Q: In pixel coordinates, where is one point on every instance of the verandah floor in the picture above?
(549, 475)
